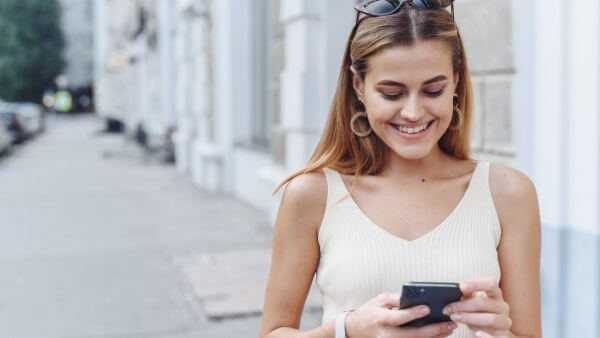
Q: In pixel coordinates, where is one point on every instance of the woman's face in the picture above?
(408, 95)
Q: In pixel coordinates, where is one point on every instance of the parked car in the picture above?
(33, 117)
(13, 122)
(5, 140)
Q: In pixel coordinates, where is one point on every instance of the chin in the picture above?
(412, 155)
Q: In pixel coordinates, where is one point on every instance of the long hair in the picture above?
(339, 148)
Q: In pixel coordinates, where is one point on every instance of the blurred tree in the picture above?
(31, 48)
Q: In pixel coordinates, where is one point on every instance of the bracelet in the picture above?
(340, 324)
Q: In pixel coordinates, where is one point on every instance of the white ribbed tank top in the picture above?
(360, 260)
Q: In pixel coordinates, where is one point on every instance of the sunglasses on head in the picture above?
(388, 7)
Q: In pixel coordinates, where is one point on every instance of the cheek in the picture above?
(441, 109)
(379, 118)
(446, 112)
(381, 110)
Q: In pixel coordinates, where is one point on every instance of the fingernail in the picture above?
(447, 310)
(479, 334)
(424, 310)
(452, 326)
(455, 316)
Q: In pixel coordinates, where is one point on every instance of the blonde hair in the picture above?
(339, 148)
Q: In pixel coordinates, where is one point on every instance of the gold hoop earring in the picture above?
(456, 109)
(355, 130)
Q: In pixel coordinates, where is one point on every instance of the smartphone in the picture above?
(434, 295)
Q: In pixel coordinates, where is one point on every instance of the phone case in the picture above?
(434, 295)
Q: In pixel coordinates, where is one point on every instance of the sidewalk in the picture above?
(101, 241)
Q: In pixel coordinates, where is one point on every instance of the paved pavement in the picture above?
(100, 241)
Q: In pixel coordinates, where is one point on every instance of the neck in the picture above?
(401, 169)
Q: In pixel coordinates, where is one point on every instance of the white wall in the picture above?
(558, 82)
(583, 120)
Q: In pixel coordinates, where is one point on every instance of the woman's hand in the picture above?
(380, 317)
(482, 309)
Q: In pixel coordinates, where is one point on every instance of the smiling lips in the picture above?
(414, 130)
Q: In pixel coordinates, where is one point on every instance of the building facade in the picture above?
(77, 24)
(557, 49)
(246, 88)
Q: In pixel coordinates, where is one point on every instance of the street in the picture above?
(99, 240)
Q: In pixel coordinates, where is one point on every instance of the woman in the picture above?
(390, 196)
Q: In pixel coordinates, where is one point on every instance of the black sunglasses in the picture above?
(388, 7)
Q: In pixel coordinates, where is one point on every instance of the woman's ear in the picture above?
(357, 84)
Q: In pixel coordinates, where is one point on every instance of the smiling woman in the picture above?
(391, 195)
(424, 96)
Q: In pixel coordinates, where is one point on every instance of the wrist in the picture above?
(348, 324)
(341, 325)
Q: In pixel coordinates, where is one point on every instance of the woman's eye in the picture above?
(434, 93)
(391, 96)
(428, 93)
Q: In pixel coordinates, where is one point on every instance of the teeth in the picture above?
(412, 130)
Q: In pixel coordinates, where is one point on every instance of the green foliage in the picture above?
(31, 48)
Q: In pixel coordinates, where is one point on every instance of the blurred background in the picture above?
(141, 139)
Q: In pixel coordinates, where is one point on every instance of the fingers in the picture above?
(432, 330)
(483, 334)
(477, 304)
(403, 316)
(487, 285)
(387, 300)
(487, 320)
(444, 335)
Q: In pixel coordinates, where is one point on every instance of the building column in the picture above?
(183, 60)
(100, 57)
(315, 33)
(202, 95)
(560, 127)
(213, 165)
(315, 36)
(300, 108)
(166, 36)
(580, 123)
(140, 55)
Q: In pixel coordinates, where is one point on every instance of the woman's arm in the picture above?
(516, 202)
(510, 308)
(295, 257)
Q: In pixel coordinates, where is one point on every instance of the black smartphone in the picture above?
(434, 295)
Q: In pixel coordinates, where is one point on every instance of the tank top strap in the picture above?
(480, 181)
(481, 198)
(336, 189)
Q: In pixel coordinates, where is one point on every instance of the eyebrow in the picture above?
(400, 84)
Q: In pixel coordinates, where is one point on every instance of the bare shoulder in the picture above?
(509, 184)
(514, 193)
(308, 189)
(305, 198)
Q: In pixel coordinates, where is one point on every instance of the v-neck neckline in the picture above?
(423, 236)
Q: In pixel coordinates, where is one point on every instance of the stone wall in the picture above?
(486, 29)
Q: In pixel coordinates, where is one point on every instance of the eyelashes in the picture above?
(427, 93)
(434, 94)
(391, 97)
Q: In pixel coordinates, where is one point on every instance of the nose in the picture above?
(412, 110)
